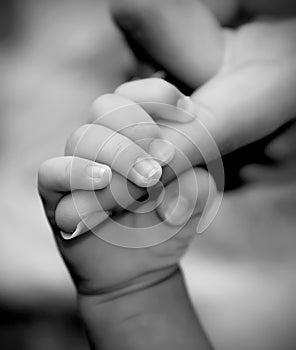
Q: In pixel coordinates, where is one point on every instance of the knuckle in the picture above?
(44, 170)
(142, 131)
(121, 89)
(66, 215)
(164, 89)
(41, 175)
(160, 83)
(107, 106)
(120, 148)
(133, 131)
(96, 107)
(74, 139)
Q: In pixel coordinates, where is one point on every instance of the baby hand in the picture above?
(122, 132)
(97, 266)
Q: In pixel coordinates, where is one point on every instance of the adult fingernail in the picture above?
(186, 104)
(162, 150)
(176, 211)
(98, 172)
(148, 172)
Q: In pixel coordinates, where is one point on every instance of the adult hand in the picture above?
(244, 78)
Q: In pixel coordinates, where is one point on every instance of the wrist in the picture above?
(157, 315)
(121, 297)
(114, 315)
(99, 296)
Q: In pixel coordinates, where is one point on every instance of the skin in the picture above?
(190, 146)
(118, 287)
(57, 177)
(228, 77)
(241, 77)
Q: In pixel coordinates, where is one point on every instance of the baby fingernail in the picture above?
(86, 224)
(176, 211)
(148, 172)
(162, 150)
(97, 172)
(186, 104)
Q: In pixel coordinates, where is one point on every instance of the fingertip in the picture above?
(100, 175)
(146, 172)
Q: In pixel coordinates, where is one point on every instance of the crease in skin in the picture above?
(86, 224)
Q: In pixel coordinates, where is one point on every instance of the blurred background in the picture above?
(56, 56)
